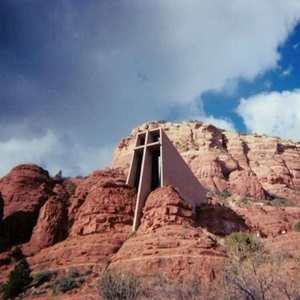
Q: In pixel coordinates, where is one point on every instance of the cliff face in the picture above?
(64, 224)
(259, 166)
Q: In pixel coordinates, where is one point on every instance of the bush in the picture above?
(242, 244)
(64, 284)
(68, 282)
(225, 194)
(181, 288)
(297, 226)
(17, 253)
(74, 273)
(266, 276)
(18, 280)
(116, 285)
(281, 202)
(43, 277)
(189, 289)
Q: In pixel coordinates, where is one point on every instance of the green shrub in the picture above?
(297, 226)
(188, 289)
(64, 284)
(242, 244)
(43, 277)
(17, 253)
(281, 202)
(74, 273)
(18, 280)
(116, 285)
(225, 194)
(88, 272)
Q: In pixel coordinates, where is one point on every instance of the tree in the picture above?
(19, 279)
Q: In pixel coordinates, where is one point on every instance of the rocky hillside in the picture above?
(75, 229)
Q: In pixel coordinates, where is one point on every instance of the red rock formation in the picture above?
(163, 207)
(24, 190)
(244, 164)
(81, 252)
(103, 203)
(220, 220)
(270, 221)
(1, 224)
(245, 183)
(100, 219)
(167, 241)
(52, 224)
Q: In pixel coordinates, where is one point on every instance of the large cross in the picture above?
(156, 163)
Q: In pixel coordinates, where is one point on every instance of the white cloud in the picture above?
(180, 49)
(93, 71)
(53, 154)
(225, 124)
(195, 46)
(276, 114)
(17, 151)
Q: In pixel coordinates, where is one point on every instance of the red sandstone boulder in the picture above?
(102, 207)
(24, 190)
(245, 183)
(172, 251)
(52, 224)
(163, 207)
(81, 252)
(103, 203)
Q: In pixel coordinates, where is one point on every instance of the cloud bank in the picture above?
(276, 114)
(50, 152)
(81, 75)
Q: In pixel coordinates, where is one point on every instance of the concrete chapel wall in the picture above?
(177, 173)
(170, 169)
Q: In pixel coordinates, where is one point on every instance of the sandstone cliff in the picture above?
(259, 166)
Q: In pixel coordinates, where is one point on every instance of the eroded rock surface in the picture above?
(102, 203)
(52, 224)
(24, 190)
(168, 241)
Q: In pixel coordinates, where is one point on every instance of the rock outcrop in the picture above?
(52, 223)
(259, 166)
(168, 241)
(24, 190)
(164, 207)
(102, 203)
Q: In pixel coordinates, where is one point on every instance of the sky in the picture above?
(77, 76)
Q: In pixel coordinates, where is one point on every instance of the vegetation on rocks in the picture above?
(242, 244)
(297, 226)
(119, 285)
(68, 282)
(262, 275)
(18, 280)
(43, 277)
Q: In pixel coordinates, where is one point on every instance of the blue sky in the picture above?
(77, 76)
